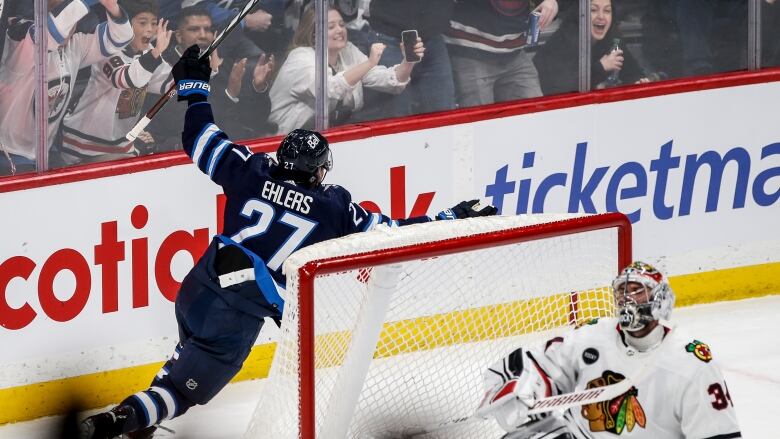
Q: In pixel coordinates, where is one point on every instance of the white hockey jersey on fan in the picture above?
(681, 394)
(112, 103)
(67, 54)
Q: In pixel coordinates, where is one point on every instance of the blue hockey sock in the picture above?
(153, 406)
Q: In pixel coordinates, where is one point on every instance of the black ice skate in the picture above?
(110, 425)
(146, 433)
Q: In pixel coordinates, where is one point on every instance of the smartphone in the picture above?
(409, 40)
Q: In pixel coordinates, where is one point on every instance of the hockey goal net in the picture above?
(386, 334)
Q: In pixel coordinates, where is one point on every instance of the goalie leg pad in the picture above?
(552, 427)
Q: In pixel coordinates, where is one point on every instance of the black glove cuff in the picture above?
(194, 99)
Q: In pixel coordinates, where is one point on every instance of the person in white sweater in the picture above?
(292, 94)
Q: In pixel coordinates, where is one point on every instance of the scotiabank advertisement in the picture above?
(89, 270)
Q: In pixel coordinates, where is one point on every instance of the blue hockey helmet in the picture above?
(304, 151)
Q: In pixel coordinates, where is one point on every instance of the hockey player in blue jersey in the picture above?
(273, 208)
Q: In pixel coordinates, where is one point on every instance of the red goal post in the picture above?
(560, 233)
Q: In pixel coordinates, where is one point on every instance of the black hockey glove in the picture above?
(192, 76)
(466, 209)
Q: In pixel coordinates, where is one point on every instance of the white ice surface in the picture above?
(742, 334)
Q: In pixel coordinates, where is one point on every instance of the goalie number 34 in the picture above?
(722, 397)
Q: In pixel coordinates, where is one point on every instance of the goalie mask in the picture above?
(642, 295)
(301, 155)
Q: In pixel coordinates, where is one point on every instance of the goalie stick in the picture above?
(564, 401)
(144, 121)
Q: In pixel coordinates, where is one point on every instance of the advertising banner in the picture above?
(89, 270)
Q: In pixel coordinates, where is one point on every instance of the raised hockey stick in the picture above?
(144, 121)
(566, 400)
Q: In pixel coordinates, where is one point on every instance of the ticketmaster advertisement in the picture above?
(89, 270)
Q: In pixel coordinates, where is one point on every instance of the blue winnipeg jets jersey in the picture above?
(270, 217)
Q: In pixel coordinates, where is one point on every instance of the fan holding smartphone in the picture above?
(351, 71)
(410, 44)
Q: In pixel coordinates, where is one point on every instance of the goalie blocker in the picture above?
(514, 385)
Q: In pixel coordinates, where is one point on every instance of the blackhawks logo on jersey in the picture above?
(700, 350)
(618, 414)
(130, 102)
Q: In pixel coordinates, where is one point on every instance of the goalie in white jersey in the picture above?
(112, 101)
(678, 389)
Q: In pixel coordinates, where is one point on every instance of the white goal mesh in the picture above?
(391, 330)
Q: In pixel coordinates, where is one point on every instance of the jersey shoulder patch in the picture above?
(700, 350)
